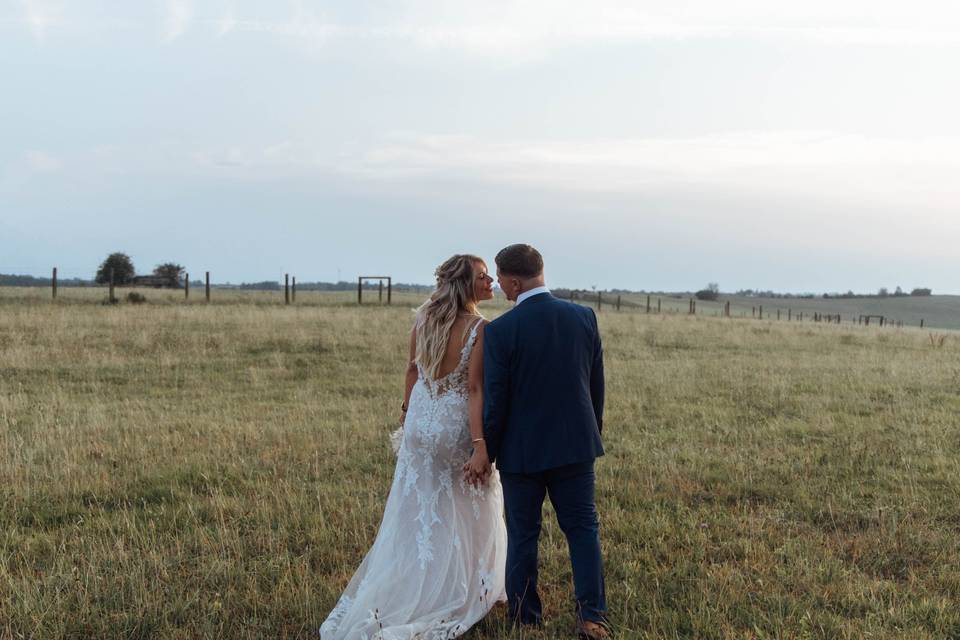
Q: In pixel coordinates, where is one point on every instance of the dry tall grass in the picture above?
(185, 471)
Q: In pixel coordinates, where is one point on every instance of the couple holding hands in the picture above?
(497, 415)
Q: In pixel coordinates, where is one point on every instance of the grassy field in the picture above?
(184, 471)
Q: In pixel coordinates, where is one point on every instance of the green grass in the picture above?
(181, 471)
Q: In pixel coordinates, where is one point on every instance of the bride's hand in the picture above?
(477, 469)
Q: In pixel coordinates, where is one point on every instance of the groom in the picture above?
(542, 417)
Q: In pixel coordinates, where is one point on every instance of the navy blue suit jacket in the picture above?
(542, 386)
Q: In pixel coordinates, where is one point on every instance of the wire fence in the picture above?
(66, 287)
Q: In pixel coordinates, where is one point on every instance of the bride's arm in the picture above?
(410, 378)
(479, 465)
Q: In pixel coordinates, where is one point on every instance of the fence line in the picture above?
(726, 310)
(619, 304)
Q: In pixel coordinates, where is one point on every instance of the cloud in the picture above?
(845, 169)
(532, 29)
(226, 24)
(537, 41)
(178, 17)
(842, 169)
(41, 161)
(538, 26)
(40, 16)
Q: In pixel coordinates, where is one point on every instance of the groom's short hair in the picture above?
(520, 260)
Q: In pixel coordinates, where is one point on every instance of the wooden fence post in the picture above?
(921, 323)
(359, 290)
(186, 286)
(286, 288)
(380, 291)
(778, 314)
(54, 282)
(618, 303)
(761, 312)
(648, 304)
(658, 305)
(789, 314)
(293, 290)
(753, 311)
(207, 286)
(389, 290)
(599, 300)
(112, 299)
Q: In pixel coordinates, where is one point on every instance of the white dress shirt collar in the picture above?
(532, 292)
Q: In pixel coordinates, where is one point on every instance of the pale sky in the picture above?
(794, 146)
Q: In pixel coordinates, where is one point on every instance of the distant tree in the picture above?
(122, 266)
(921, 292)
(883, 293)
(712, 292)
(899, 292)
(265, 285)
(171, 271)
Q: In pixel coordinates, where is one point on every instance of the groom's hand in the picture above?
(478, 468)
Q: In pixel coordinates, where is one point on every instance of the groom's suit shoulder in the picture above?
(539, 305)
(505, 319)
(584, 312)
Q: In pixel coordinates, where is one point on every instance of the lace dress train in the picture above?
(437, 564)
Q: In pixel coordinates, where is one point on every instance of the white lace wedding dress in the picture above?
(437, 564)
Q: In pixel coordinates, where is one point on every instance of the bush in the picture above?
(707, 294)
(136, 298)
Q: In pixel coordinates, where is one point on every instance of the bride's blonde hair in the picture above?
(435, 317)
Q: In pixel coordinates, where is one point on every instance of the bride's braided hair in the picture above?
(435, 317)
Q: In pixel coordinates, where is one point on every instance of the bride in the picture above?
(437, 564)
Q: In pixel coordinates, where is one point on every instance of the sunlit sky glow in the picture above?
(647, 145)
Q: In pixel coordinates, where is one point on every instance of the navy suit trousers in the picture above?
(571, 490)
